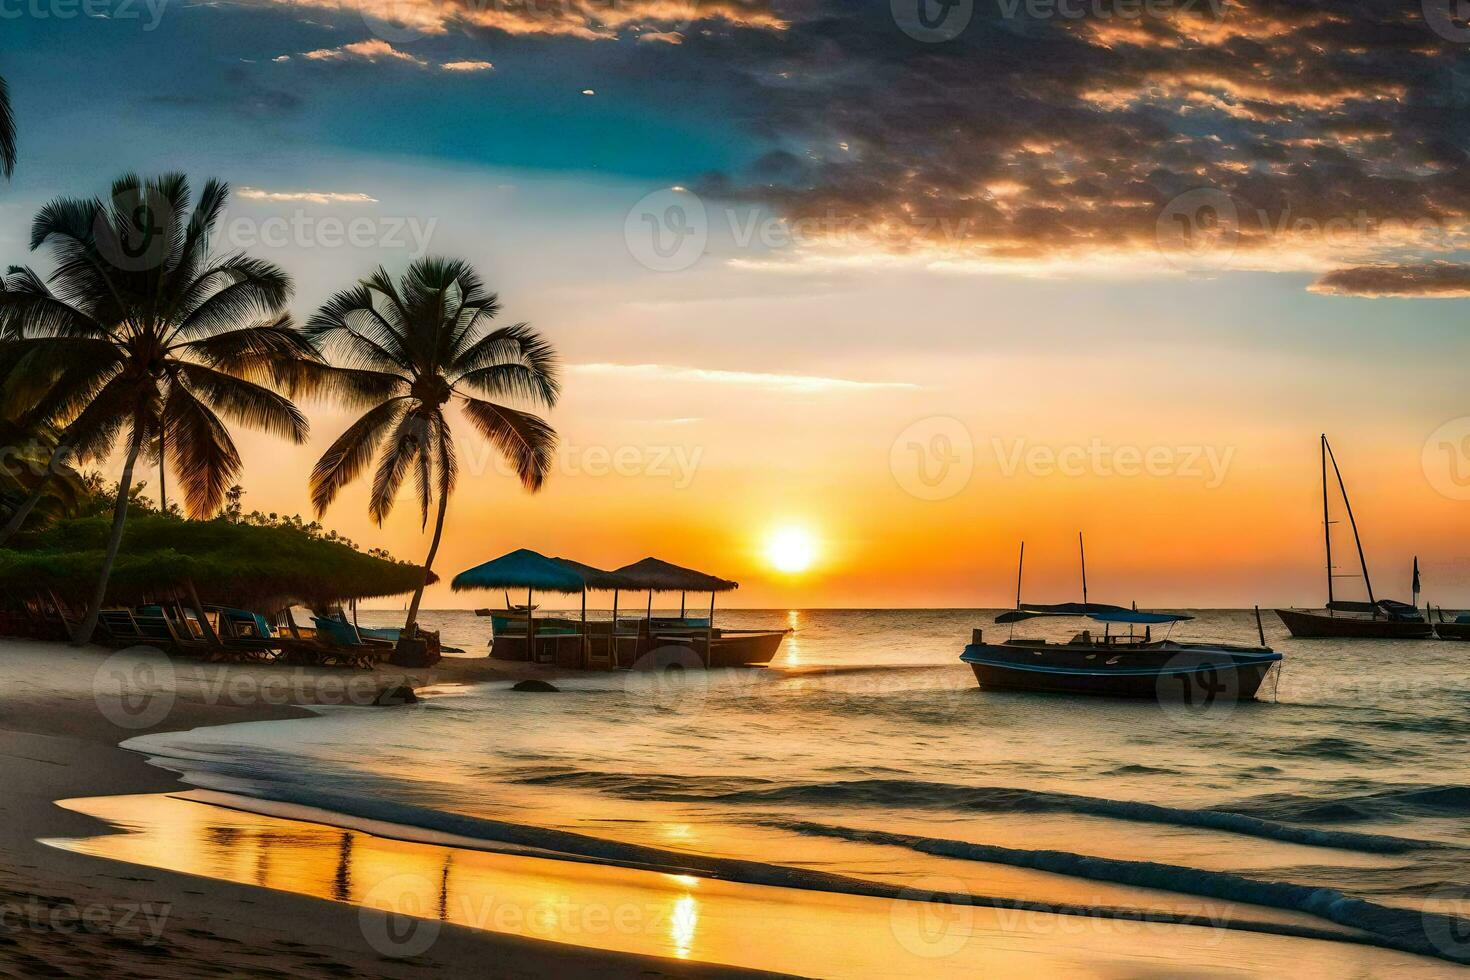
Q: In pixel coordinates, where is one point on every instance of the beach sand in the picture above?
(64, 913)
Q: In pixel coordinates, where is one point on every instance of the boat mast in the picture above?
(1362, 560)
(1020, 566)
(1326, 523)
(1082, 550)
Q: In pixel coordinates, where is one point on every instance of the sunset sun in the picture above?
(791, 550)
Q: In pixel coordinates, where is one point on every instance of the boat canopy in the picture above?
(521, 569)
(1101, 612)
(1134, 617)
(1386, 605)
(656, 575)
(1032, 611)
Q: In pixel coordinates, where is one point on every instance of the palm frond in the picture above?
(194, 252)
(200, 450)
(236, 290)
(448, 462)
(511, 362)
(274, 353)
(524, 440)
(92, 434)
(29, 309)
(351, 328)
(352, 450)
(7, 132)
(400, 453)
(244, 401)
(356, 389)
(50, 381)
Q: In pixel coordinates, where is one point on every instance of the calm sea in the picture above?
(867, 750)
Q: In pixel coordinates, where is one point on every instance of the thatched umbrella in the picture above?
(597, 578)
(657, 575)
(532, 571)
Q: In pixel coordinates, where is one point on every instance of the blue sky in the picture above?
(1056, 312)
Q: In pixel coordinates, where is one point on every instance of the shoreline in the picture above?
(61, 749)
(65, 911)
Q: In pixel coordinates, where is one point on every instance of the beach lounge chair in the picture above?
(246, 635)
(335, 642)
(149, 626)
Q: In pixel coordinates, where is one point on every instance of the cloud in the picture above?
(467, 66)
(306, 197)
(373, 50)
(1441, 280)
(240, 94)
(589, 20)
(1334, 132)
(796, 383)
(1337, 133)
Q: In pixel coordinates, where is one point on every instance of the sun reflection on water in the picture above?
(683, 924)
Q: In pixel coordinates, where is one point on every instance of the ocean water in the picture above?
(1339, 803)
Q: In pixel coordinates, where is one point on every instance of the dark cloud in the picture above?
(1039, 136)
(1443, 280)
(240, 94)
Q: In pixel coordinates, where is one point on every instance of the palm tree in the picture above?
(7, 132)
(407, 349)
(142, 332)
(33, 453)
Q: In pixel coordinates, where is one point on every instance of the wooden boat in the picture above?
(1131, 665)
(558, 641)
(723, 647)
(1195, 673)
(1376, 619)
(622, 642)
(1307, 625)
(1456, 629)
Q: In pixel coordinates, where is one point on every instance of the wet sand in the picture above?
(68, 913)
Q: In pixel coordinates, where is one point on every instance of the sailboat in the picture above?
(1376, 619)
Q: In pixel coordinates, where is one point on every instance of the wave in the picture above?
(1396, 802)
(919, 794)
(1411, 930)
(418, 824)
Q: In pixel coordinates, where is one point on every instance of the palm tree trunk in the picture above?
(83, 635)
(24, 510)
(162, 487)
(418, 596)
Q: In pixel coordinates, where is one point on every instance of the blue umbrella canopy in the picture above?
(521, 569)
